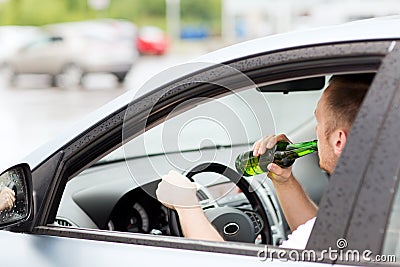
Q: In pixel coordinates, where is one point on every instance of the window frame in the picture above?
(360, 223)
(380, 182)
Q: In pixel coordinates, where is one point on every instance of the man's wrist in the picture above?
(189, 211)
(283, 182)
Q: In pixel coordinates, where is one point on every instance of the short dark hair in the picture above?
(344, 97)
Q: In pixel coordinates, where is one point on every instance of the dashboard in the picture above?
(138, 211)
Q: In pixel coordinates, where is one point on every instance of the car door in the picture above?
(367, 176)
(81, 151)
(41, 56)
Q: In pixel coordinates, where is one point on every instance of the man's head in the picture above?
(335, 113)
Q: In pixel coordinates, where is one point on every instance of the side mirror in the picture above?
(19, 180)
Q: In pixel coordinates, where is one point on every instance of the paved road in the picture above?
(32, 113)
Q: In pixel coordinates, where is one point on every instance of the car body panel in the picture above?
(384, 164)
(50, 251)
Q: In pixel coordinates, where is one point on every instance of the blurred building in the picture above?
(242, 20)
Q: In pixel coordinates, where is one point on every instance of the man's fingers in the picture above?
(7, 190)
(10, 191)
(278, 173)
(282, 137)
(176, 191)
(271, 142)
(272, 167)
(256, 147)
(176, 179)
(277, 170)
(160, 197)
(263, 144)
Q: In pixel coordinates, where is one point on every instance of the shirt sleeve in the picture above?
(298, 238)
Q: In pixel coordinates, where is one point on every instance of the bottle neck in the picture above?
(303, 146)
(286, 157)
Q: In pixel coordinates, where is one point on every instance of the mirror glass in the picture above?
(14, 202)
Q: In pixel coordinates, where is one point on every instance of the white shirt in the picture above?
(298, 238)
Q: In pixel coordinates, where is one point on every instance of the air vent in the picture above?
(256, 219)
(62, 222)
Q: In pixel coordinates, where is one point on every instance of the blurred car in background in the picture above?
(152, 40)
(68, 51)
(13, 38)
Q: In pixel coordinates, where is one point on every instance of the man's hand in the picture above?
(296, 205)
(276, 173)
(176, 191)
(7, 198)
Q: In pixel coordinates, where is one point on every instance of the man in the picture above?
(335, 113)
(7, 198)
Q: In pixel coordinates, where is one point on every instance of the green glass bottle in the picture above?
(283, 154)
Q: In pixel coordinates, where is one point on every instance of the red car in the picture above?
(152, 40)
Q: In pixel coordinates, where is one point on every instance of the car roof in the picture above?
(370, 29)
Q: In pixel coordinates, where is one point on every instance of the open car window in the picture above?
(236, 119)
(117, 193)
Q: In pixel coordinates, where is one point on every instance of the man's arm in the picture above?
(175, 191)
(297, 207)
(196, 225)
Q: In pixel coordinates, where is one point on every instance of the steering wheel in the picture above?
(232, 224)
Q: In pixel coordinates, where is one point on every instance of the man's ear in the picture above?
(338, 141)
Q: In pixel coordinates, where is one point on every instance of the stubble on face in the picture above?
(327, 157)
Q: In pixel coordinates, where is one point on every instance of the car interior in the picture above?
(117, 193)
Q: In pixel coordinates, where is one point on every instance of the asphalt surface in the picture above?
(32, 113)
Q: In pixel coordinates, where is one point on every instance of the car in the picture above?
(68, 51)
(151, 40)
(88, 197)
(12, 38)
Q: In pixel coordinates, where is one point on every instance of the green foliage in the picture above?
(40, 12)
(199, 9)
(202, 12)
(141, 12)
